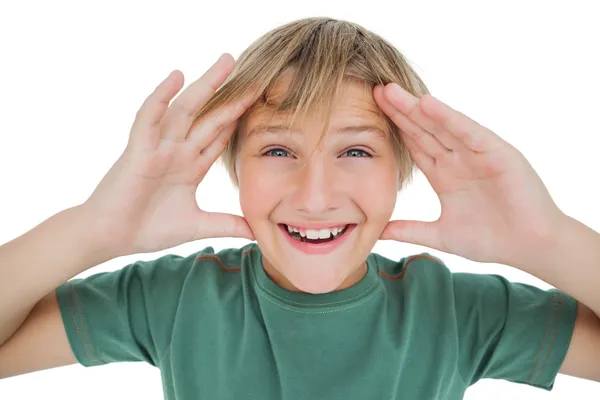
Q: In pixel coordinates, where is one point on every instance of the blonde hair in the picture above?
(321, 54)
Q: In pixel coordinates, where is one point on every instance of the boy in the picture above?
(319, 124)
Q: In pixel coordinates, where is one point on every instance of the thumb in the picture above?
(215, 224)
(414, 232)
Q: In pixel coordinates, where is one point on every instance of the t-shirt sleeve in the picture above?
(511, 331)
(124, 315)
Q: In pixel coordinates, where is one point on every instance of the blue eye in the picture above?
(277, 152)
(357, 153)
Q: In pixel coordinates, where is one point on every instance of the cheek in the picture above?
(375, 191)
(258, 193)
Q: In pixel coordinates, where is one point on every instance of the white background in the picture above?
(73, 75)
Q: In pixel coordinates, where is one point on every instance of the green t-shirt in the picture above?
(219, 328)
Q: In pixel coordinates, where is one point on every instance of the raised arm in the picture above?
(145, 203)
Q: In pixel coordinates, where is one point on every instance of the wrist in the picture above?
(95, 237)
(547, 246)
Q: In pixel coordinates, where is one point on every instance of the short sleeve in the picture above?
(124, 315)
(511, 331)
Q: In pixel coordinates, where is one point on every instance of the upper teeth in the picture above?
(316, 233)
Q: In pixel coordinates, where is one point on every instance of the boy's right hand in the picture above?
(147, 201)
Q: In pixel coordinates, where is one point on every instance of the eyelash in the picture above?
(267, 153)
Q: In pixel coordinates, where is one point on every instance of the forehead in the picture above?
(353, 104)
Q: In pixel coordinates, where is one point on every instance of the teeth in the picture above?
(316, 233)
(313, 234)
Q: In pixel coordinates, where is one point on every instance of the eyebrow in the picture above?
(261, 129)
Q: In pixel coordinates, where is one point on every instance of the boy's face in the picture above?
(349, 180)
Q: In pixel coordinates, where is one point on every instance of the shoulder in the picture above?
(412, 267)
(174, 271)
(222, 269)
(424, 274)
(431, 270)
(227, 260)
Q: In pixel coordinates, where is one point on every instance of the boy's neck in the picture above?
(284, 283)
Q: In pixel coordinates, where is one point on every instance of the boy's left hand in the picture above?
(495, 208)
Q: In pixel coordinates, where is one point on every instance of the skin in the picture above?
(287, 178)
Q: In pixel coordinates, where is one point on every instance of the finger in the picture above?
(144, 131)
(430, 145)
(204, 130)
(411, 106)
(473, 135)
(425, 162)
(216, 225)
(182, 112)
(209, 154)
(415, 232)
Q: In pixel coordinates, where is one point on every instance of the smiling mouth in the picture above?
(301, 237)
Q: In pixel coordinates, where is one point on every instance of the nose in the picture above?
(315, 192)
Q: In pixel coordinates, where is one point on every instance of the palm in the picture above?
(485, 199)
(147, 201)
(493, 202)
(158, 190)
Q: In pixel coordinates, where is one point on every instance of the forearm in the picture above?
(43, 258)
(570, 261)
